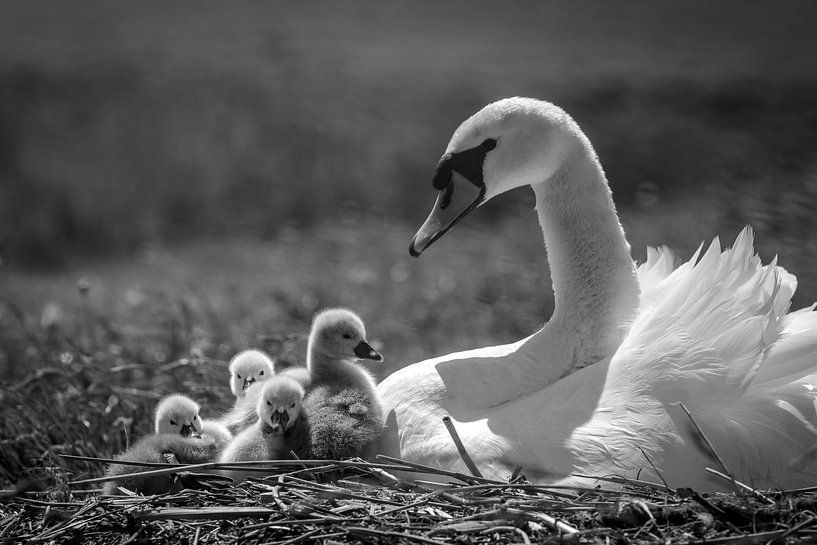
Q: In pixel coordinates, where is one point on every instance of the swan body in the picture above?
(278, 408)
(248, 367)
(597, 391)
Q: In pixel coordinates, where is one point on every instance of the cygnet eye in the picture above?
(238, 376)
(347, 336)
(172, 423)
(269, 404)
(292, 406)
(261, 374)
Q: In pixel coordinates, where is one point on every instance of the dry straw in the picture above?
(379, 502)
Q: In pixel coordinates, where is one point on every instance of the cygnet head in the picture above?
(338, 333)
(178, 414)
(279, 404)
(508, 144)
(247, 368)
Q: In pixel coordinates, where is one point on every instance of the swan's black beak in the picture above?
(459, 179)
(365, 351)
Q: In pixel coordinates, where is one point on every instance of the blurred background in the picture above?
(179, 181)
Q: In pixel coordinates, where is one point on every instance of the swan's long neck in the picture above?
(594, 279)
(596, 291)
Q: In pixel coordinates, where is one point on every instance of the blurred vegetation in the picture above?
(127, 123)
(218, 172)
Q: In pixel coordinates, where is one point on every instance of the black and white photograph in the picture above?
(453, 272)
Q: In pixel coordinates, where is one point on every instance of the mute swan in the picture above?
(246, 368)
(278, 408)
(596, 390)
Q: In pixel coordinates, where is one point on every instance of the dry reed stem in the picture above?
(452, 431)
(408, 466)
(714, 452)
(290, 509)
(745, 487)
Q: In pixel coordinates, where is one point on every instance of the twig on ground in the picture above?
(408, 466)
(714, 452)
(745, 487)
(469, 463)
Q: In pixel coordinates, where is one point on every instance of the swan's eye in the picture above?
(261, 374)
(269, 404)
(347, 336)
(173, 423)
(489, 144)
(238, 376)
(292, 406)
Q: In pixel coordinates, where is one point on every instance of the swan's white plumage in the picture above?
(713, 333)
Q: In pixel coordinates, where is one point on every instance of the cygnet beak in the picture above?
(186, 430)
(278, 421)
(247, 383)
(365, 351)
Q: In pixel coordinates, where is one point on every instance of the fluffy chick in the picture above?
(242, 415)
(181, 436)
(158, 448)
(337, 340)
(278, 408)
(342, 424)
(177, 414)
(344, 411)
(248, 367)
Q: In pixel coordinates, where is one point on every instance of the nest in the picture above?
(354, 501)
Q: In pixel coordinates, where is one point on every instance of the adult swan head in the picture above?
(598, 390)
